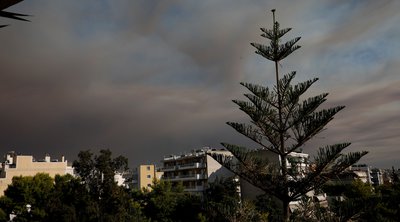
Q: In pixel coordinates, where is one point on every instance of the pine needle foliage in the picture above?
(281, 123)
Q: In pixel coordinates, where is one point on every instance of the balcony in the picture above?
(185, 177)
(168, 168)
(191, 166)
(194, 189)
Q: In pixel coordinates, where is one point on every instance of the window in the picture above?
(148, 168)
(148, 176)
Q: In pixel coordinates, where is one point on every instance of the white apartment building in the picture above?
(363, 172)
(194, 169)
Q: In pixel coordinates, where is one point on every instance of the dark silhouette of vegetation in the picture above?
(11, 15)
(363, 202)
(222, 203)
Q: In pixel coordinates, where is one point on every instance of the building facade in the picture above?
(195, 169)
(363, 172)
(25, 165)
(144, 176)
(376, 176)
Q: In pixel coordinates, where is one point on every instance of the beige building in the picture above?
(24, 165)
(144, 176)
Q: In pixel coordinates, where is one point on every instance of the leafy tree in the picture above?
(358, 201)
(281, 123)
(167, 203)
(389, 203)
(221, 199)
(223, 203)
(107, 201)
(69, 200)
(27, 197)
(267, 205)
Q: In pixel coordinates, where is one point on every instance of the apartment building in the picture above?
(376, 176)
(367, 174)
(25, 165)
(194, 169)
(363, 172)
(144, 176)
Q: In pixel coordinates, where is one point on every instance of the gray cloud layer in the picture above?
(150, 78)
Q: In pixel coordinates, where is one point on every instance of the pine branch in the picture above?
(262, 92)
(276, 52)
(248, 166)
(269, 33)
(313, 124)
(252, 133)
(247, 130)
(328, 163)
(262, 111)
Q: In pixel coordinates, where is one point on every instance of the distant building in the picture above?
(123, 179)
(376, 176)
(195, 169)
(24, 165)
(143, 176)
(363, 172)
(345, 177)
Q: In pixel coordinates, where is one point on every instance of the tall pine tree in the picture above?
(281, 123)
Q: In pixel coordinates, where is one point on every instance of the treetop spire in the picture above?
(273, 15)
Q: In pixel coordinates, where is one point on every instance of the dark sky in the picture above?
(151, 78)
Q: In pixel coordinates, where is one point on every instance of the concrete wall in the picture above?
(215, 169)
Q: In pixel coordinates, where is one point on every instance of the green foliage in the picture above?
(223, 203)
(3, 216)
(97, 172)
(27, 196)
(267, 206)
(307, 211)
(104, 199)
(221, 199)
(362, 202)
(165, 203)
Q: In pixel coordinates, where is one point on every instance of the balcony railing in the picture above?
(194, 189)
(185, 177)
(190, 166)
(168, 168)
